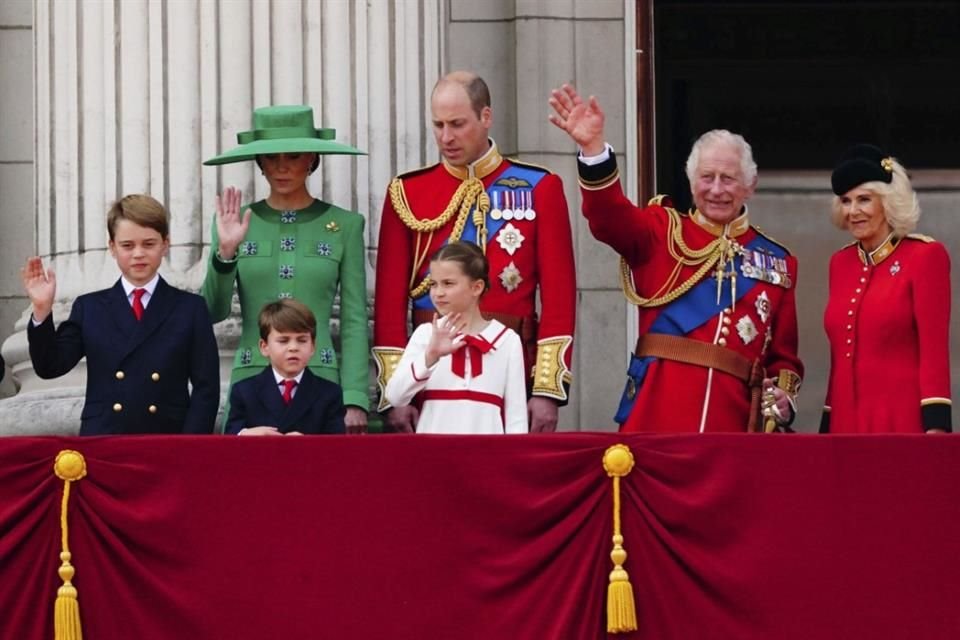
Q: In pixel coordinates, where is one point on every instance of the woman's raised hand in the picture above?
(231, 227)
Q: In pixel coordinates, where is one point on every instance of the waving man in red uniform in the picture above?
(516, 212)
(715, 297)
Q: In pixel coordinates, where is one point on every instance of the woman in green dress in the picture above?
(291, 245)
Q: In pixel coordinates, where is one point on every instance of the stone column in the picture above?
(132, 95)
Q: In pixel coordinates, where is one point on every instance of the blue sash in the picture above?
(688, 312)
(517, 179)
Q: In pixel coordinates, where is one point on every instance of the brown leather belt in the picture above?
(710, 356)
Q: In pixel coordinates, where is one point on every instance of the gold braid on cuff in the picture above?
(550, 373)
(387, 359)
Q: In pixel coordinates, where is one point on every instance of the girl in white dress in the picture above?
(465, 370)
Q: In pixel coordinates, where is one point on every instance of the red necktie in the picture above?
(474, 348)
(138, 303)
(288, 386)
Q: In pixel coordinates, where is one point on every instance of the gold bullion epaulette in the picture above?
(920, 237)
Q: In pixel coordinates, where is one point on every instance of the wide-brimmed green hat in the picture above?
(283, 129)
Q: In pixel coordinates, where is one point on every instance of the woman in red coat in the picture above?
(888, 313)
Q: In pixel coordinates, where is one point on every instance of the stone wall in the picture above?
(16, 165)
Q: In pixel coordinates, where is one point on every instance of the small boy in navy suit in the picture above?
(146, 342)
(286, 398)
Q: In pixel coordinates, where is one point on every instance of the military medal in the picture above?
(766, 267)
(746, 329)
(510, 238)
(510, 277)
(508, 205)
(496, 213)
(763, 306)
(529, 213)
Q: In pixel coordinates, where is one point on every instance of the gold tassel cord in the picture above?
(705, 259)
(471, 192)
(621, 608)
(69, 466)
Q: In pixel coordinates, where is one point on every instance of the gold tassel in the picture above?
(69, 467)
(621, 608)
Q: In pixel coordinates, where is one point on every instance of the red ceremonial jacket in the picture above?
(525, 255)
(888, 320)
(673, 396)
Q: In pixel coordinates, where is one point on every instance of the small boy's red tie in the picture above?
(288, 386)
(138, 303)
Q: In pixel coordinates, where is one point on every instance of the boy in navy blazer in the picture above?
(145, 341)
(286, 398)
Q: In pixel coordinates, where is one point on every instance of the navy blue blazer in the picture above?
(137, 372)
(316, 408)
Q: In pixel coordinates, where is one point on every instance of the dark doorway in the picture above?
(804, 80)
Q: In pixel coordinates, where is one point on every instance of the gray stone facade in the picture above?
(60, 164)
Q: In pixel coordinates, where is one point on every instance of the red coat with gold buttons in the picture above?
(527, 256)
(887, 320)
(676, 397)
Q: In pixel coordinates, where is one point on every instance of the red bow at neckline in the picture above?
(474, 347)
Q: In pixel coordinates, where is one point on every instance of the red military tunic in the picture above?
(887, 320)
(673, 396)
(525, 255)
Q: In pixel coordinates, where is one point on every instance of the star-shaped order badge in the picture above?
(510, 277)
(510, 238)
(763, 306)
(746, 329)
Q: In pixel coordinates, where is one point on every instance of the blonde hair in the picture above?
(900, 206)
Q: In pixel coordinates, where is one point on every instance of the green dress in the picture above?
(305, 254)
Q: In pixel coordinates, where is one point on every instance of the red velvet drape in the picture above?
(472, 537)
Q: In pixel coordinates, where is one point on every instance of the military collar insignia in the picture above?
(881, 253)
(737, 227)
(481, 168)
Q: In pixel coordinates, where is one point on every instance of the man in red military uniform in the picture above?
(516, 212)
(717, 311)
